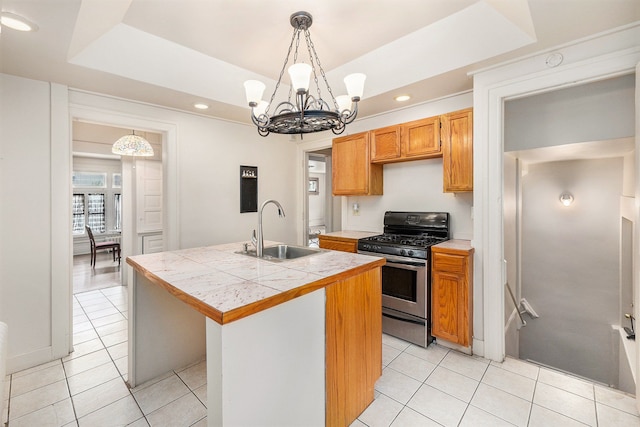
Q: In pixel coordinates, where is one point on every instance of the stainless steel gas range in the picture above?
(406, 277)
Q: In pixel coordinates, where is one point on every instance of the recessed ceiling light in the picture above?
(200, 106)
(402, 98)
(17, 22)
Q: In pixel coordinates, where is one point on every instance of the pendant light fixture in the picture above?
(132, 145)
(307, 113)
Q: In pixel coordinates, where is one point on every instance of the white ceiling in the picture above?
(177, 52)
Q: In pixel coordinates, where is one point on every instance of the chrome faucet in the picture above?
(260, 240)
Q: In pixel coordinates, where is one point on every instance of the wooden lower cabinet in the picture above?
(353, 345)
(338, 243)
(452, 291)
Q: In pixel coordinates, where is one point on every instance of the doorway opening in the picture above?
(120, 200)
(323, 209)
(565, 256)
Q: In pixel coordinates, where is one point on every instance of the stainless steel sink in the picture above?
(283, 252)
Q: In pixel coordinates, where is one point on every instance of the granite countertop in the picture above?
(454, 244)
(227, 286)
(349, 234)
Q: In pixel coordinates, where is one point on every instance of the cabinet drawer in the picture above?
(449, 263)
(337, 245)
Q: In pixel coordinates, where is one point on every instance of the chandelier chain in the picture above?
(312, 48)
(284, 67)
(307, 114)
(307, 37)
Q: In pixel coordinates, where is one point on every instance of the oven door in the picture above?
(404, 288)
(404, 285)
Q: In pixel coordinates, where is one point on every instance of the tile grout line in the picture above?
(115, 366)
(73, 405)
(533, 396)
(9, 399)
(595, 404)
(474, 391)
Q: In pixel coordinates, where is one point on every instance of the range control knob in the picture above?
(410, 252)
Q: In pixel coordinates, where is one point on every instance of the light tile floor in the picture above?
(418, 387)
(441, 387)
(87, 388)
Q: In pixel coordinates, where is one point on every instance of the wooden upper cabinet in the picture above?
(385, 144)
(415, 140)
(421, 139)
(457, 151)
(353, 174)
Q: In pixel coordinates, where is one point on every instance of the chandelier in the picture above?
(132, 145)
(307, 113)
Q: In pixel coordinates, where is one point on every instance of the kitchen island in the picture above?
(296, 342)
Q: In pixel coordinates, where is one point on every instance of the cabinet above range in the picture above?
(358, 158)
(415, 140)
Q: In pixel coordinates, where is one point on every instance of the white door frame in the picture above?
(169, 161)
(612, 54)
(302, 158)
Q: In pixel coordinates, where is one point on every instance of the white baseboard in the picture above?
(29, 360)
(478, 347)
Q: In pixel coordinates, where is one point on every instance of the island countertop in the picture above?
(226, 286)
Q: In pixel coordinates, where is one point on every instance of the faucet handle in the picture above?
(254, 240)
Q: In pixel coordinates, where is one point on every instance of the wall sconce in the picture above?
(566, 199)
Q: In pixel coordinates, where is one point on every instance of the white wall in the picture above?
(411, 186)
(209, 153)
(415, 185)
(511, 253)
(34, 230)
(570, 265)
(595, 111)
(30, 269)
(317, 201)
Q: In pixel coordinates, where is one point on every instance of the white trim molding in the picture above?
(604, 56)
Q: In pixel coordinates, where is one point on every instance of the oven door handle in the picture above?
(415, 266)
(399, 262)
(406, 319)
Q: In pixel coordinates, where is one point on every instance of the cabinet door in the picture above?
(149, 195)
(457, 151)
(338, 245)
(385, 144)
(446, 301)
(352, 173)
(353, 345)
(421, 138)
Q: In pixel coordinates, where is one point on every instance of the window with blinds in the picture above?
(78, 213)
(97, 202)
(96, 213)
(117, 202)
(89, 209)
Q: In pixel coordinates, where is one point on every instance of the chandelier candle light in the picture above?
(132, 145)
(308, 114)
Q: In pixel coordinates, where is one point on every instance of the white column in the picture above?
(268, 369)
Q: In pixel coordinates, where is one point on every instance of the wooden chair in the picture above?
(99, 246)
